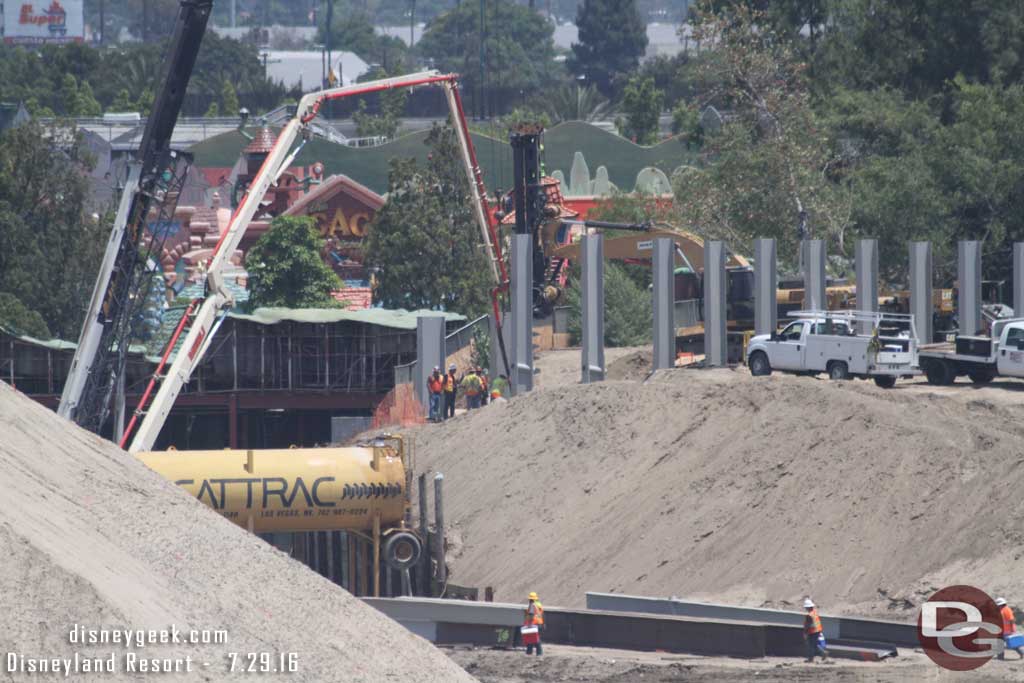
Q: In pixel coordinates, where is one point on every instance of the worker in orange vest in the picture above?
(435, 387)
(814, 634)
(451, 386)
(534, 616)
(1009, 628)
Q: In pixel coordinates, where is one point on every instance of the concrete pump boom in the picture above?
(219, 297)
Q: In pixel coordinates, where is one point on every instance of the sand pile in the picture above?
(718, 485)
(90, 536)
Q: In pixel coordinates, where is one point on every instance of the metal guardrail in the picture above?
(453, 342)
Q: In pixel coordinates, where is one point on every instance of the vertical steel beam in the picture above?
(664, 303)
(968, 275)
(814, 275)
(766, 283)
(921, 289)
(715, 340)
(592, 305)
(429, 352)
(521, 380)
(1018, 278)
(867, 280)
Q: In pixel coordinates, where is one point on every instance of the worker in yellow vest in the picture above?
(472, 386)
(814, 634)
(534, 616)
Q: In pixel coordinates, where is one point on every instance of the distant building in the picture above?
(304, 69)
(662, 39)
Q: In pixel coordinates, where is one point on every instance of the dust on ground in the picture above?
(715, 485)
(91, 536)
(597, 665)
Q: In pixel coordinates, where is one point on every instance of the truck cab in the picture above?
(1010, 349)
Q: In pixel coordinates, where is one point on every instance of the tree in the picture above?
(424, 240)
(519, 49)
(628, 313)
(229, 99)
(49, 245)
(286, 267)
(612, 38)
(352, 31)
(19, 318)
(573, 102)
(390, 105)
(765, 171)
(642, 104)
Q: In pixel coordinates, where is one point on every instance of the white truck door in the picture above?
(1010, 358)
(786, 353)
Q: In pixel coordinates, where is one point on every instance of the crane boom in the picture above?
(153, 185)
(219, 297)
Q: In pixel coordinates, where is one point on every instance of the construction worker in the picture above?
(471, 387)
(1009, 629)
(534, 616)
(484, 391)
(435, 386)
(814, 634)
(500, 385)
(450, 389)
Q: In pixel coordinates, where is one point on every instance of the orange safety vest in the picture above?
(434, 384)
(812, 623)
(537, 618)
(449, 384)
(1008, 623)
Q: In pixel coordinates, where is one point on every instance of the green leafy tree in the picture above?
(352, 31)
(213, 110)
(765, 171)
(573, 102)
(612, 39)
(628, 311)
(391, 105)
(49, 244)
(519, 49)
(642, 104)
(286, 267)
(229, 99)
(122, 103)
(19, 318)
(424, 240)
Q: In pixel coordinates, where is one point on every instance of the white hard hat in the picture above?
(437, 368)
(452, 366)
(1000, 602)
(808, 604)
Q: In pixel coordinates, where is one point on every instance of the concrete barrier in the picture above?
(874, 631)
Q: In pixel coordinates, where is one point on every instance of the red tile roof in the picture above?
(261, 143)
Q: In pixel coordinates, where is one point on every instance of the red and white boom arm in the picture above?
(219, 297)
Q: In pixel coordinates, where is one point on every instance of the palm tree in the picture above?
(576, 103)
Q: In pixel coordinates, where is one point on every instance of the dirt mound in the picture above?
(717, 485)
(91, 537)
(635, 366)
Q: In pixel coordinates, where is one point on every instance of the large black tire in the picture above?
(885, 381)
(402, 550)
(981, 376)
(838, 370)
(939, 373)
(759, 365)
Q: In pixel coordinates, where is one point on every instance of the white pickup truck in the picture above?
(980, 358)
(826, 341)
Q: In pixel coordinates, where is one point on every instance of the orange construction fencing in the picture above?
(399, 408)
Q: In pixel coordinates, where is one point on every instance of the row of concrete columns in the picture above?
(518, 325)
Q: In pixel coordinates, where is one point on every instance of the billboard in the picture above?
(35, 22)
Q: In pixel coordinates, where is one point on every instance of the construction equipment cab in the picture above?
(844, 344)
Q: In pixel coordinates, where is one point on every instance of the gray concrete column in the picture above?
(814, 275)
(521, 380)
(968, 275)
(715, 340)
(867, 280)
(1018, 279)
(430, 333)
(766, 283)
(497, 365)
(663, 272)
(921, 289)
(592, 305)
